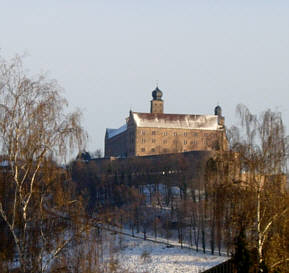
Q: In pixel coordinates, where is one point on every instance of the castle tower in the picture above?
(218, 112)
(157, 104)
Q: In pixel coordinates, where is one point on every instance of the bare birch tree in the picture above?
(262, 147)
(35, 132)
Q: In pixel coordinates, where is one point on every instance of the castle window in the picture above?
(153, 140)
(143, 149)
(143, 140)
(153, 133)
(153, 150)
(195, 134)
(185, 142)
(185, 133)
(165, 141)
(165, 150)
(142, 133)
(175, 134)
(165, 133)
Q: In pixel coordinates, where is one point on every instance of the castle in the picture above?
(157, 133)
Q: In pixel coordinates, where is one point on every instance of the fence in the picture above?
(225, 267)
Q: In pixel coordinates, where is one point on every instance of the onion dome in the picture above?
(218, 110)
(157, 94)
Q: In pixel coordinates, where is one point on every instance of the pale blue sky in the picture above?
(108, 55)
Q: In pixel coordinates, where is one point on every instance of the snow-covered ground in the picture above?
(139, 256)
(117, 251)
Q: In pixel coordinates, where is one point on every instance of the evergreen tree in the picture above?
(242, 257)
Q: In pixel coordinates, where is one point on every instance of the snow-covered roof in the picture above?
(114, 132)
(176, 121)
(173, 121)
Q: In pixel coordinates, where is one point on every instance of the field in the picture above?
(136, 255)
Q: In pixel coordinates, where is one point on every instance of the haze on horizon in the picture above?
(108, 55)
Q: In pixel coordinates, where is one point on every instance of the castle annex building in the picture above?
(159, 133)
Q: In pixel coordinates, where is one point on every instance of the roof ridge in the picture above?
(171, 114)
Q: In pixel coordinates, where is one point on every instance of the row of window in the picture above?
(174, 133)
(153, 150)
(165, 141)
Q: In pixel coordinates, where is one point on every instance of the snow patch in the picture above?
(141, 256)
